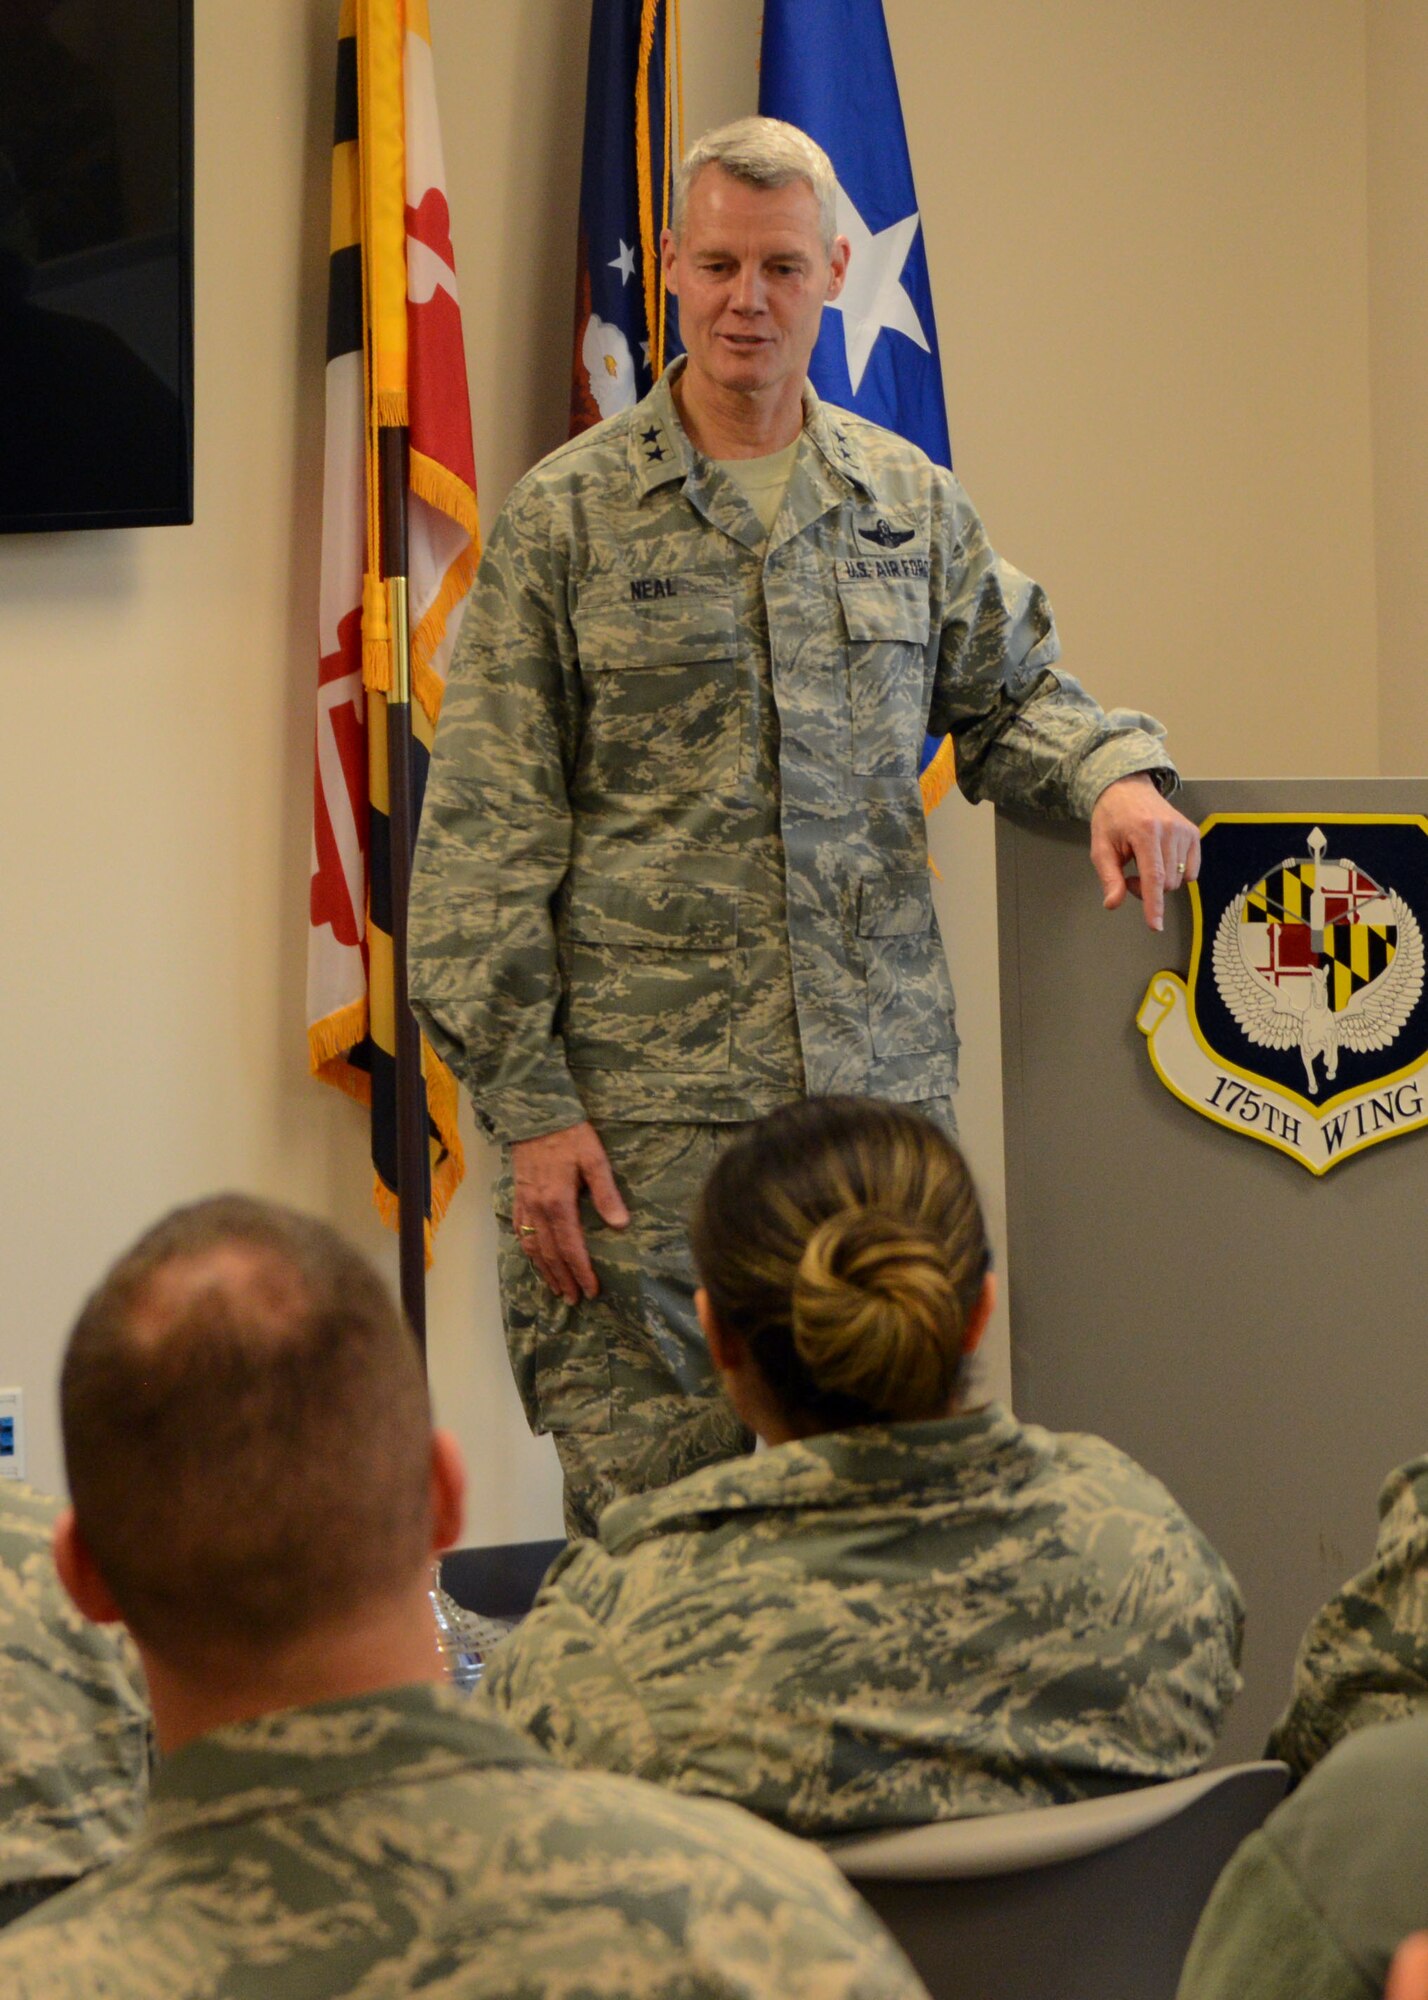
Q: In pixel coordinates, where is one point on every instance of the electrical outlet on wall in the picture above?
(12, 1433)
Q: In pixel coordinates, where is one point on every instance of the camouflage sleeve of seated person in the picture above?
(1364, 1658)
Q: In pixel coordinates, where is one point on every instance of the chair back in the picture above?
(501, 1581)
(1092, 1901)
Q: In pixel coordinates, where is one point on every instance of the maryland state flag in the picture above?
(394, 356)
(633, 134)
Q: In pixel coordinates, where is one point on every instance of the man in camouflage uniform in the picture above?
(885, 1625)
(74, 1720)
(1364, 1658)
(326, 1819)
(672, 869)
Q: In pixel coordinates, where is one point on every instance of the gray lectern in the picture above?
(1254, 1335)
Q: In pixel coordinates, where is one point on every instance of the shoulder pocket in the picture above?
(887, 608)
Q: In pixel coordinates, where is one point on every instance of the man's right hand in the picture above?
(549, 1174)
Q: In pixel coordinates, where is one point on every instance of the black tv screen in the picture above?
(96, 263)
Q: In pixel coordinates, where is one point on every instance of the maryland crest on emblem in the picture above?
(1304, 1021)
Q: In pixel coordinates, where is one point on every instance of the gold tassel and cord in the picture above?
(650, 271)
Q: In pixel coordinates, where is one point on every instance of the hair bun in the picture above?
(876, 1314)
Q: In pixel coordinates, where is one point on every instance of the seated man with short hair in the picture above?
(258, 1494)
(74, 1720)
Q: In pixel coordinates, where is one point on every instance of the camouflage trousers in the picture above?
(623, 1381)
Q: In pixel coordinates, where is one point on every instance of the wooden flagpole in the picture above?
(413, 1162)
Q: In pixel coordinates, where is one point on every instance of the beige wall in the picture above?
(1398, 358)
(1149, 238)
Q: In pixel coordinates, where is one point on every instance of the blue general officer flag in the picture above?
(618, 289)
(827, 67)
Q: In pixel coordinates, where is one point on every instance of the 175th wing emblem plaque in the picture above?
(1304, 1021)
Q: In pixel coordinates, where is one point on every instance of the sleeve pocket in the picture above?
(909, 989)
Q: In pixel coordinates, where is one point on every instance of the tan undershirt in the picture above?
(762, 481)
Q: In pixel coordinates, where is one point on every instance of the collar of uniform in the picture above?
(298, 1755)
(957, 1457)
(1403, 1507)
(660, 450)
(829, 429)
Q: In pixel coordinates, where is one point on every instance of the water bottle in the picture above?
(460, 1653)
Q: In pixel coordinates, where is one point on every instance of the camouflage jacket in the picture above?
(886, 1625)
(74, 1716)
(1364, 1658)
(672, 862)
(399, 1843)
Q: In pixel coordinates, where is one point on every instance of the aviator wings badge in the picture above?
(1304, 1021)
(884, 536)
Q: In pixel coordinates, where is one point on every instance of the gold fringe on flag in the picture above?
(940, 776)
(447, 1173)
(427, 684)
(331, 1039)
(440, 488)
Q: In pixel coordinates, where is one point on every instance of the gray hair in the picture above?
(763, 153)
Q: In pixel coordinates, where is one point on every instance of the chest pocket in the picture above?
(661, 684)
(887, 623)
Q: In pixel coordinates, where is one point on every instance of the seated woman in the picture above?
(903, 1610)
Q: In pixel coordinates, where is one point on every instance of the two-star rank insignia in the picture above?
(885, 537)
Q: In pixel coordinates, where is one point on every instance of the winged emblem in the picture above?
(1371, 1018)
(885, 535)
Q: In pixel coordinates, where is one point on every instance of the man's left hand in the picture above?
(1132, 822)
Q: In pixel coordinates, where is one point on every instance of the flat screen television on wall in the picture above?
(96, 263)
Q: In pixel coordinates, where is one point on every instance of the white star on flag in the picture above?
(873, 296)
(625, 262)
